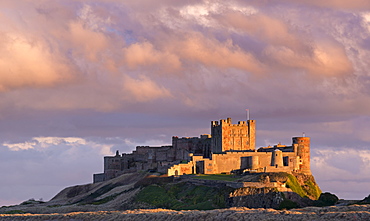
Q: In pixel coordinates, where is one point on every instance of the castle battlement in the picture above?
(229, 147)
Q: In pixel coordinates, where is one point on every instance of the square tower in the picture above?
(233, 137)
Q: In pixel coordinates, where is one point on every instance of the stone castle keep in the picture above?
(230, 147)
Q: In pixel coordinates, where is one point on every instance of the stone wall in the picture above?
(181, 169)
(232, 137)
(229, 147)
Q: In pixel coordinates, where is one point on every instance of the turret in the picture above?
(302, 147)
(277, 158)
(252, 134)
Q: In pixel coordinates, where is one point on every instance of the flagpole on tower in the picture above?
(247, 110)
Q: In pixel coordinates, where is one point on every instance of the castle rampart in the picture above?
(230, 147)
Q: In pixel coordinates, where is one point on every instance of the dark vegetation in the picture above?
(149, 180)
(366, 200)
(163, 192)
(184, 196)
(14, 212)
(224, 177)
(32, 201)
(327, 199)
(185, 193)
(288, 204)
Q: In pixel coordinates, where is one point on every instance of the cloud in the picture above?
(330, 168)
(40, 167)
(45, 165)
(82, 69)
(30, 63)
(143, 89)
(326, 59)
(211, 52)
(90, 49)
(356, 5)
(43, 143)
(345, 5)
(143, 54)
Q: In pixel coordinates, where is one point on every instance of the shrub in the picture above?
(288, 204)
(327, 199)
(32, 201)
(366, 200)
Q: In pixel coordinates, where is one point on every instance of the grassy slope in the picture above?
(223, 177)
(184, 196)
(162, 192)
(308, 189)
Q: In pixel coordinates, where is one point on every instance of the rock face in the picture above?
(255, 198)
(140, 191)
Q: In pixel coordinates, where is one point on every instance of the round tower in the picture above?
(277, 158)
(302, 147)
(255, 162)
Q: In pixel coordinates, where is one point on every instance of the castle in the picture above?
(230, 147)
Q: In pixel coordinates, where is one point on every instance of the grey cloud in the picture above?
(140, 71)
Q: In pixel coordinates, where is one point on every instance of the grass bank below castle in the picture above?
(221, 177)
(185, 196)
(182, 196)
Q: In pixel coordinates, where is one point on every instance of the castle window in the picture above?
(285, 161)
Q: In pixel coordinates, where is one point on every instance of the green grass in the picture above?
(312, 190)
(309, 189)
(293, 184)
(183, 196)
(157, 196)
(224, 177)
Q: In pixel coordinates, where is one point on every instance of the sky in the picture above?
(81, 79)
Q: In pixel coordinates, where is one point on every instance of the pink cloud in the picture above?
(31, 63)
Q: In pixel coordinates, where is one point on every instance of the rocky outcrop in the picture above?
(252, 197)
(142, 191)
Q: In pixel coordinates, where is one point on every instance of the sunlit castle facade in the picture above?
(230, 147)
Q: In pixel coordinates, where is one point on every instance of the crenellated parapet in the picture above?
(227, 136)
(230, 147)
